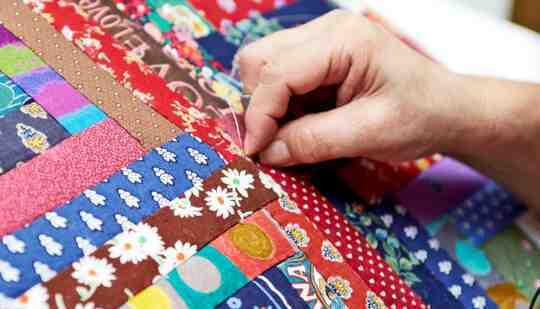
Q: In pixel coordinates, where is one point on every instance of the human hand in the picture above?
(391, 101)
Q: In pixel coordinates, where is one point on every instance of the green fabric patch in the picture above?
(18, 60)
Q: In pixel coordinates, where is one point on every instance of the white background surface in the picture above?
(464, 39)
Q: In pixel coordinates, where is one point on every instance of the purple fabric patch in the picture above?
(440, 189)
(7, 37)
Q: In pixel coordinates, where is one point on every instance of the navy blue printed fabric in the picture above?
(427, 250)
(26, 132)
(269, 290)
(487, 212)
(54, 241)
(223, 47)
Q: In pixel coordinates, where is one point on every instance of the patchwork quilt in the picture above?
(123, 183)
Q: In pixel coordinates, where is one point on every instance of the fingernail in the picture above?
(276, 154)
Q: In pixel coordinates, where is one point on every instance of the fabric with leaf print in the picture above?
(11, 95)
(138, 190)
(354, 247)
(25, 133)
(205, 282)
(321, 252)
(128, 70)
(151, 248)
(47, 87)
(430, 255)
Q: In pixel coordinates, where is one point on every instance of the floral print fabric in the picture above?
(63, 172)
(25, 133)
(128, 69)
(199, 285)
(159, 243)
(57, 239)
(48, 88)
(11, 95)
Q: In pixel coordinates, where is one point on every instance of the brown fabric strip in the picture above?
(180, 76)
(148, 127)
(170, 230)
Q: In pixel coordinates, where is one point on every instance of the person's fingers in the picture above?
(295, 72)
(253, 57)
(339, 133)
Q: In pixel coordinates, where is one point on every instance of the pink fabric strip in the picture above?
(64, 172)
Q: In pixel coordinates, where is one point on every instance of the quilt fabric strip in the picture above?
(11, 95)
(223, 267)
(127, 68)
(57, 239)
(271, 289)
(159, 243)
(48, 88)
(63, 172)
(25, 133)
(148, 127)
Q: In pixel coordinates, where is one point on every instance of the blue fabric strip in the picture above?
(57, 239)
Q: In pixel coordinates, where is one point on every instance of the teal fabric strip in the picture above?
(82, 119)
(206, 279)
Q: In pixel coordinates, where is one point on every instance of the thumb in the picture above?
(320, 137)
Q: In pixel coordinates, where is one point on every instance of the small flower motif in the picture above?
(239, 181)
(479, 302)
(374, 302)
(297, 235)
(36, 297)
(136, 245)
(91, 221)
(234, 303)
(434, 244)
(197, 156)
(160, 199)
(44, 271)
(468, 279)
(421, 255)
(95, 198)
(330, 253)
(68, 33)
(455, 290)
(164, 177)
(286, 203)
(411, 231)
(8, 272)
(13, 244)
(339, 287)
(132, 176)
(166, 155)
(221, 202)
(445, 267)
(196, 181)
(93, 272)
(176, 255)
(228, 6)
(123, 222)
(51, 246)
(56, 220)
(183, 208)
(387, 220)
(86, 306)
(131, 200)
(85, 245)
(269, 183)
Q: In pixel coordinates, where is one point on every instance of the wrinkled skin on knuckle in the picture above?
(305, 146)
